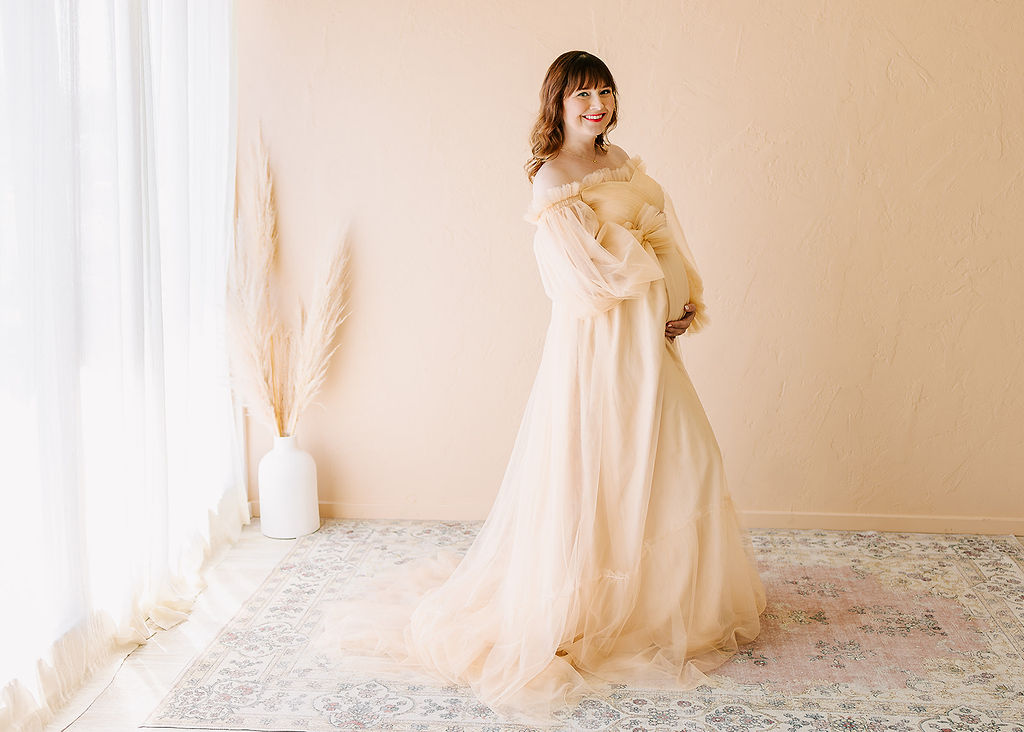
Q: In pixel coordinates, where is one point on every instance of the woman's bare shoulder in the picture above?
(616, 156)
(551, 174)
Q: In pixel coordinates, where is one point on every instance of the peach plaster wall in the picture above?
(849, 175)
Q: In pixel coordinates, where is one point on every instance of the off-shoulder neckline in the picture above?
(569, 190)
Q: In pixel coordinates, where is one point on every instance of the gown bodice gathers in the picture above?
(628, 214)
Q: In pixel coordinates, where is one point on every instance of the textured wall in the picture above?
(850, 178)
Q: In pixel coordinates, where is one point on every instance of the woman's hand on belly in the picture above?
(674, 328)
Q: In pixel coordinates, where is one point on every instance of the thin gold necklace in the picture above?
(581, 157)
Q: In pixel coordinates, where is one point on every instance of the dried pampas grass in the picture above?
(277, 371)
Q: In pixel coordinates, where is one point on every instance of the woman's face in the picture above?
(587, 112)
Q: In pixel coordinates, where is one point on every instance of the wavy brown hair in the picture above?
(571, 71)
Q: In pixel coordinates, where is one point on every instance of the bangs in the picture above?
(587, 72)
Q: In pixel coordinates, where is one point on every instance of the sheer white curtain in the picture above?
(120, 457)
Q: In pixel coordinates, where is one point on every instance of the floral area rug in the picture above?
(863, 631)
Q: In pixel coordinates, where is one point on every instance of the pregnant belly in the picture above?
(676, 285)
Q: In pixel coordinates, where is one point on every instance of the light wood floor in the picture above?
(130, 691)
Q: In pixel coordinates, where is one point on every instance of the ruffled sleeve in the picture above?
(700, 319)
(585, 267)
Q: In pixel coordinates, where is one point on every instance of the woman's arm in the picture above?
(584, 268)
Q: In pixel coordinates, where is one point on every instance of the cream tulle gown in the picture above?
(612, 552)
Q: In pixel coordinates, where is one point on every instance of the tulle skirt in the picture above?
(612, 552)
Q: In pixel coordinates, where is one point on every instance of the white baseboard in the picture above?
(752, 519)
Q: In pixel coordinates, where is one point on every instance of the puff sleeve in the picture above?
(589, 268)
(700, 319)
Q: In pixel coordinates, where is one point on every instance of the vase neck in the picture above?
(285, 443)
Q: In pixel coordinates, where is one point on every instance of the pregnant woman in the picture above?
(612, 552)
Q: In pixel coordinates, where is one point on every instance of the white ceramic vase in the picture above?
(287, 485)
